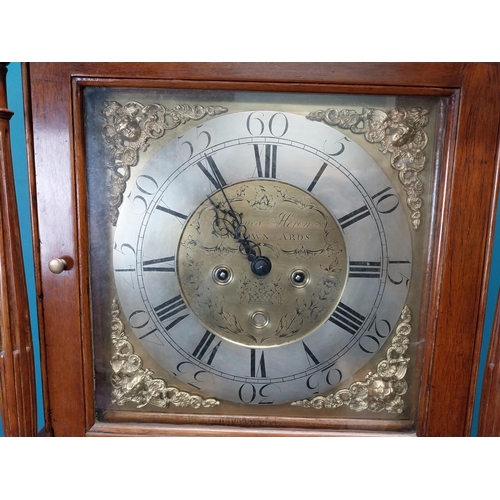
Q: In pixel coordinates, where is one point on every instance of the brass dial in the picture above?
(288, 227)
(258, 257)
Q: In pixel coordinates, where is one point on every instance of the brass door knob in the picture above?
(57, 266)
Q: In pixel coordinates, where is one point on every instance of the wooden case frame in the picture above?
(458, 272)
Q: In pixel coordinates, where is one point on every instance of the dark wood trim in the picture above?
(259, 422)
(17, 373)
(466, 250)
(268, 87)
(435, 264)
(352, 74)
(30, 157)
(52, 146)
(153, 429)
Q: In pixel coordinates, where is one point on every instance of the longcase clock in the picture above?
(262, 249)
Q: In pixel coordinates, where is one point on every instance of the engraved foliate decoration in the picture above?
(303, 242)
(128, 129)
(381, 390)
(134, 384)
(399, 132)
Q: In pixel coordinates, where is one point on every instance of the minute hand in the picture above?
(232, 223)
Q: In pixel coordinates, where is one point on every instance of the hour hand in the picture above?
(231, 223)
(226, 222)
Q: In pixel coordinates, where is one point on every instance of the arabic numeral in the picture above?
(248, 393)
(147, 187)
(277, 125)
(397, 277)
(202, 141)
(379, 331)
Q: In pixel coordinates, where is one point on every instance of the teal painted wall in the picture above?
(493, 291)
(15, 101)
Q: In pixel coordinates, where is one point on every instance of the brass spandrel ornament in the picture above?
(380, 391)
(128, 130)
(399, 132)
(132, 383)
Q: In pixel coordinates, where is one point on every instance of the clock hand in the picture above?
(239, 230)
(231, 224)
(259, 264)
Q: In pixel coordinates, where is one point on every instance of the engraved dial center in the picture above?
(290, 288)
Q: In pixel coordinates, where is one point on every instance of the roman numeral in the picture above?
(354, 216)
(385, 204)
(318, 175)
(216, 179)
(201, 349)
(169, 309)
(254, 367)
(364, 269)
(348, 319)
(126, 270)
(171, 212)
(310, 355)
(270, 154)
(149, 333)
(151, 265)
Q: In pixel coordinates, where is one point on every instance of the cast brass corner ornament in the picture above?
(380, 391)
(399, 132)
(134, 384)
(128, 129)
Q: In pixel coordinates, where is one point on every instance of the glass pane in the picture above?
(257, 254)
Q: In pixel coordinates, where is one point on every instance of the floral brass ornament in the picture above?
(381, 390)
(128, 129)
(134, 384)
(399, 132)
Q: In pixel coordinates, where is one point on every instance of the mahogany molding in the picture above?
(463, 233)
(17, 374)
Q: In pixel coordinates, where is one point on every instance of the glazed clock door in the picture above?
(238, 256)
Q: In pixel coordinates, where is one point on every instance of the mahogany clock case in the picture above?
(451, 241)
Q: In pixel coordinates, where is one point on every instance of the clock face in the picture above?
(262, 257)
